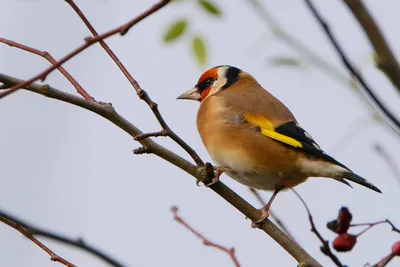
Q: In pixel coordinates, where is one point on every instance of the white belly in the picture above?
(244, 172)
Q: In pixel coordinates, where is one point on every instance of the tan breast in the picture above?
(237, 146)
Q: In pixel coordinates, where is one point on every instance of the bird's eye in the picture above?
(208, 81)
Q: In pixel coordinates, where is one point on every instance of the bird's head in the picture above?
(212, 81)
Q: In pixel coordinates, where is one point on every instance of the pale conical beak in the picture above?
(191, 94)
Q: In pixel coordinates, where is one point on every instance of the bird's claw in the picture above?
(213, 181)
(217, 173)
(264, 217)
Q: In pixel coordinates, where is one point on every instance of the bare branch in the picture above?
(123, 29)
(49, 58)
(79, 243)
(278, 221)
(26, 232)
(199, 173)
(349, 66)
(325, 243)
(318, 61)
(385, 59)
(141, 93)
(206, 242)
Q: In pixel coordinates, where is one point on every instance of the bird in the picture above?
(252, 137)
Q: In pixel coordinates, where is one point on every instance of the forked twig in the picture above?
(349, 66)
(166, 130)
(370, 225)
(206, 242)
(123, 29)
(49, 58)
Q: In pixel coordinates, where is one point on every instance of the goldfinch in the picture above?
(255, 139)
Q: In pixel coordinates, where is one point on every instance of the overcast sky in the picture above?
(70, 171)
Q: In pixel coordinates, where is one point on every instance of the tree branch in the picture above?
(349, 66)
(385, 59)
(325, 243)
(200, 173)
(26, 232)
(206, 242)
(317, 60)
(49, 58)
(141, 93)
(123, 29)
(79, 243)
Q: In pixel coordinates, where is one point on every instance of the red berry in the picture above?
(396, 248)
(344, 242)
(344, 220)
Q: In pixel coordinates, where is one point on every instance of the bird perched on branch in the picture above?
(255, 139)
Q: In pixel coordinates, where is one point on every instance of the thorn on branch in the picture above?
(143, 136)
(206, 242)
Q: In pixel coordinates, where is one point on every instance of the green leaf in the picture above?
(210, 8)
(175, 30)
(286, 62)
(199, 50)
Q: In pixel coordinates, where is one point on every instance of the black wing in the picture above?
(293, 130)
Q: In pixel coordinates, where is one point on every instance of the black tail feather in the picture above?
(359, 180)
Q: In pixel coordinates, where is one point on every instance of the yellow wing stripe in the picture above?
(268, 130)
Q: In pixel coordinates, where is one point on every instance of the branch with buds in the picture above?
(199, 171)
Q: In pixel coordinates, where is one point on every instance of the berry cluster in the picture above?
(345, 242)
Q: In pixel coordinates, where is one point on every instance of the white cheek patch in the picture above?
(219, 82)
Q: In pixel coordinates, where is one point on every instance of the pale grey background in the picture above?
(71, 171)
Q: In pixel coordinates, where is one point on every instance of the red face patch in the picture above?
(203, 87)
(211, 73)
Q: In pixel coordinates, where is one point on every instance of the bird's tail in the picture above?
(351, 176)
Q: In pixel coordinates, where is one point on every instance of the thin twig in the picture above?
(317, 60)
(206, 242)
(349, 66)
(272, 214)
(385, 261)
(385, 59)
(141, 93)
(147, 135)
(26, 232)
(78, 243)
(123, 29)
(199, 173)
(325, 243)
(388, 159)
(394, 228)
(49, 58)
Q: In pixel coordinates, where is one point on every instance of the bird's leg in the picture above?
(265, 209)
